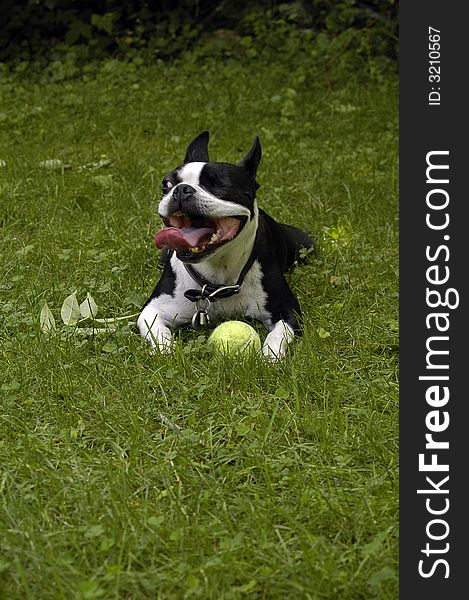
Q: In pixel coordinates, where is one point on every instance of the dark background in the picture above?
(42, 29)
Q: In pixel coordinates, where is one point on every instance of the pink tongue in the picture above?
(178, 239)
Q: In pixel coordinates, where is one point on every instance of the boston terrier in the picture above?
(223, 256)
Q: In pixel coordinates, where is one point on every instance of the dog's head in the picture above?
(206, 205)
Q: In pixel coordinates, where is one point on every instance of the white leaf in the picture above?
(46, 319)
(70, 311)
(104, 181)
(88, 308)
(51, 163)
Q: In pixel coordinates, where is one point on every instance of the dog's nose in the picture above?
(182, 192)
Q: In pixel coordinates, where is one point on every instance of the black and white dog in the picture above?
(223, 256)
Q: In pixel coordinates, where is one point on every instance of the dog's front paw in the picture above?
(162, 347)
(155, 331)
(271, 355)
(277, 341)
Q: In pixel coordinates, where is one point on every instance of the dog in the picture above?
(223, 256)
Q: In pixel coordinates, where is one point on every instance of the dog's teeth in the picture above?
(215, 237)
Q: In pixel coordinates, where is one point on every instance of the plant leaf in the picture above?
(70, 311)
(93, 330)
(94, 531)
(88, 308)
(46, 319)
(51, 163)
(109, 347)
(115, 319)
(104, 181)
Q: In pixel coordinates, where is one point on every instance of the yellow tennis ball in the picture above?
(234, 337)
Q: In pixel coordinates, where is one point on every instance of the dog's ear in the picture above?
(252, 159)
(197, 151)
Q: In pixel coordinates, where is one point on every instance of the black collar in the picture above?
(212, 291)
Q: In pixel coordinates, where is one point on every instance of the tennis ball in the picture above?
(234, 337)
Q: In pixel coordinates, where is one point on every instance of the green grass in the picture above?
(129, 475)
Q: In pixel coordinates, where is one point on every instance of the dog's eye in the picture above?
(167, 184)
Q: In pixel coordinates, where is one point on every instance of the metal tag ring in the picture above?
(203, 304)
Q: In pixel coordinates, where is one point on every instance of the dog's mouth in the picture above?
(194, 237)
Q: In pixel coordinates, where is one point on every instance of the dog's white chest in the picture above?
(249, 302)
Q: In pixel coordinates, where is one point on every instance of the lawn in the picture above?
(130, 475)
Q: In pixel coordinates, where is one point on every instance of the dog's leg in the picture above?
(276, 343)
(154, 329)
